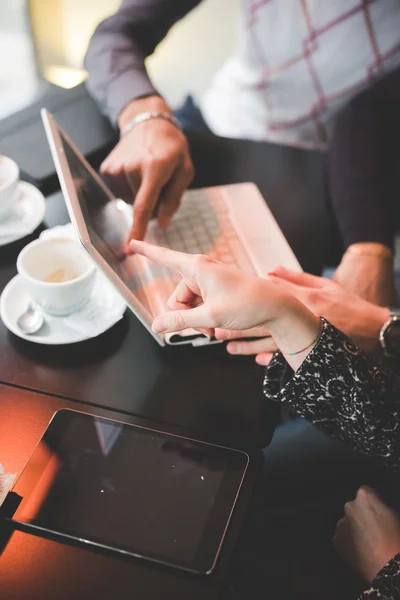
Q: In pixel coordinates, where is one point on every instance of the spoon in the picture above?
(31, 320)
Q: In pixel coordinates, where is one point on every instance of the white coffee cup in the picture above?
(9, 179)
(57, 274)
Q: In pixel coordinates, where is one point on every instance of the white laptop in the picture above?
(230, 223)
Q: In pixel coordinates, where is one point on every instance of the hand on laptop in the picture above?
(213, 295)
(359, 319)
(151, 164)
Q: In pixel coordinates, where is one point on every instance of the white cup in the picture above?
(9, 179)
(57, 274)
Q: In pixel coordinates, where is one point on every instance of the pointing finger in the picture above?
(162, 256)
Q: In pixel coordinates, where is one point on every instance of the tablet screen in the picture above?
(131, 489)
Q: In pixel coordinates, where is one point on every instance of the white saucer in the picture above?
(26, 216)
(104, 310)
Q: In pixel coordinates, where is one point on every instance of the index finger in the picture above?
(144, 206)
(163, 256)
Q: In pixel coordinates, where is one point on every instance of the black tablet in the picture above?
(137, 491)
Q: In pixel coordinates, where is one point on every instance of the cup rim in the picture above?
(22, 271)
(15, 174)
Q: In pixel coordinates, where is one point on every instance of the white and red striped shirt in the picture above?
(297, 63)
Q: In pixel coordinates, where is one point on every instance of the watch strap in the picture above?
(394, 316)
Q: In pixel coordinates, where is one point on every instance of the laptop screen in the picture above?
(107, 220)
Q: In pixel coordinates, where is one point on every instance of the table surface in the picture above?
(35, 568)
(204, 391)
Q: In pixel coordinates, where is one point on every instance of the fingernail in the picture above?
(232, 348)
(158, 326)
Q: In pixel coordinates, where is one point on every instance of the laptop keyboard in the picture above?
(202, 226)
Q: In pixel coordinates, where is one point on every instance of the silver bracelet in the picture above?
(146, 116)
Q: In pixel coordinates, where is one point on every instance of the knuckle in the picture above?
(151, 161)
(348, 507)
(362, 494)
(312, 295)
(112, 168)
(200, 261)
(178, 322)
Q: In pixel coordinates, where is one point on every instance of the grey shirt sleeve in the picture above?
(118, 48)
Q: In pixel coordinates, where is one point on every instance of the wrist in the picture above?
(375, 249)
(295, 330)
(375, 319)
(149, 104)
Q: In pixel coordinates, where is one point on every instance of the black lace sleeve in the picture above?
(341, 391)
(386, 585)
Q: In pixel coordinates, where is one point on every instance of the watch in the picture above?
(389, 335)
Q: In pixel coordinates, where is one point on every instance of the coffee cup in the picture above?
(9, 179)
(57, 274)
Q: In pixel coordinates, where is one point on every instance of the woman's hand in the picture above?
(368, 536)
(151, 163)
(212, 295)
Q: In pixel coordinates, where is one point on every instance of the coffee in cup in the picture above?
(9, 179)
(57, 274)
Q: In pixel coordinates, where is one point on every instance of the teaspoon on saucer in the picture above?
(31, 320)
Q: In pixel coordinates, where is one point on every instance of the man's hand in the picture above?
(368, 536)
(151, 163)
(359, 319)
(367, 270)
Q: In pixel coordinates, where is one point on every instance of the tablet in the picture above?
(134, 490)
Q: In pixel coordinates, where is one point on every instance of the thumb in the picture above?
(182, 319)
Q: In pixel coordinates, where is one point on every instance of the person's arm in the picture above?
(151, 163)
(335, 385)
(118, 48)
(340, 390)
(362, 157)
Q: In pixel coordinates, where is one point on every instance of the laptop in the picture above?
(230, 223)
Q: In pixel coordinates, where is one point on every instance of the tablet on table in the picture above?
(137, 491)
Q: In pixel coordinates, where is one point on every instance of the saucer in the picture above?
(27, 214)
(105, 308)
